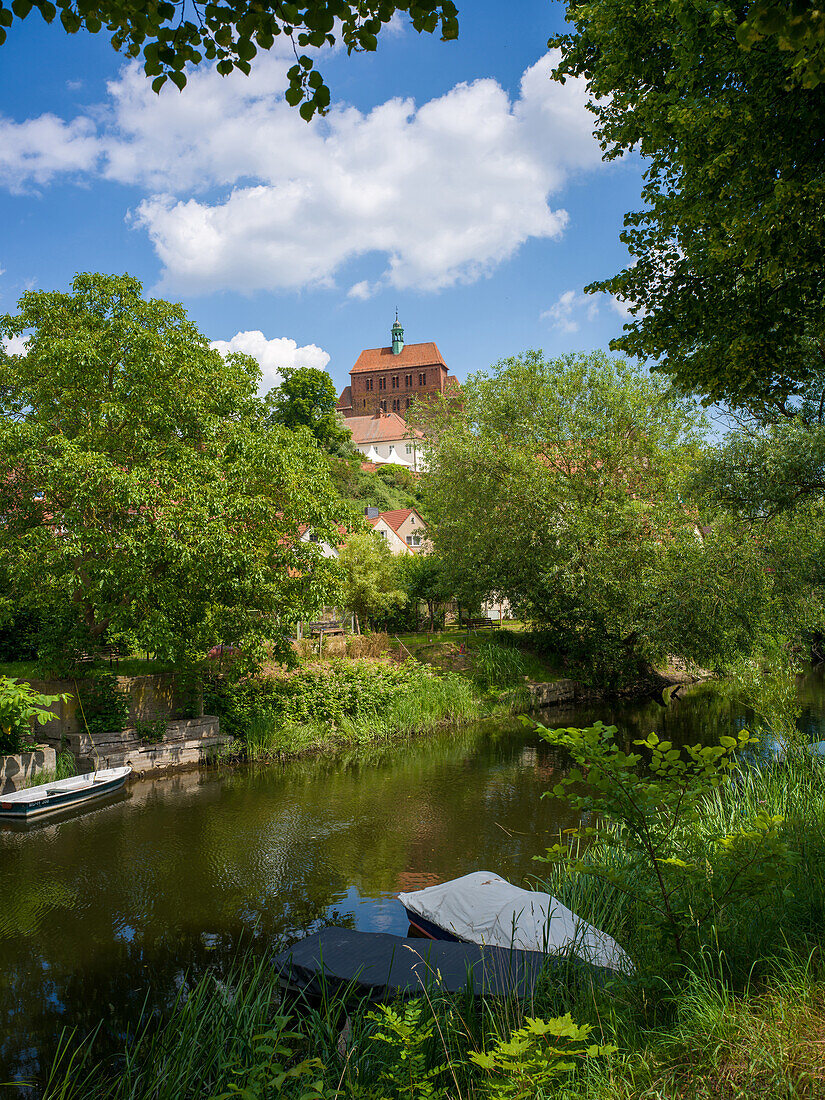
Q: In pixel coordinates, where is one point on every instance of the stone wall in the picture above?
(187, 742)
(16, 771)
(150, 698)
(553, 693)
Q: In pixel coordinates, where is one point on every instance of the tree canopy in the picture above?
(556, 485)
(143, 491)
(371, 584)
(307, 398)
(727, 271)
(230, 34)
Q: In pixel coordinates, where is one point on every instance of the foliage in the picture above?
(768, 685)
(352, 696)
(20, 706)
(143, 492)
(152, 732)
(370, 582)
(104, 705)
(558, 485)
(536, 1055)
(65, 767)
(682, 884)
(725, 278)
(405, 1034)
(230, 35)
(306, 398)
(426, 578)
(273, 1067)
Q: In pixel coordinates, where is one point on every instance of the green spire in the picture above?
(397, 336)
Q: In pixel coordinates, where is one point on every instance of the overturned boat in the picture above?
(483, 908)
(62, 794)
(379, 965)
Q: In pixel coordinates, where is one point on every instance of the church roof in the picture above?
(411, 355)
(345, 400)
(381, 428)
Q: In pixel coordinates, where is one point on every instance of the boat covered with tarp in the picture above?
(483, 908)
(338, 960)
(61, 794)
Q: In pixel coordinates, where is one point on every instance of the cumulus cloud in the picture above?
(273, 355)
(14, 345)
(241, 194)
(569, 308)
(38, 149)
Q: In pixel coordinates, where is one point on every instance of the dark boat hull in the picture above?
(429, 930)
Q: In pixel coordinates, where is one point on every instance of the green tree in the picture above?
(371, 587)
(427, 579)
(142, 489)
(727, 271)
(557, 485)
(306, 398)
(169, 37)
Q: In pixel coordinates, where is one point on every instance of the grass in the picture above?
(65, 766)
(744, 1019)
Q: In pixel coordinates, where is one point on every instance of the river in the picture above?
(100, 912)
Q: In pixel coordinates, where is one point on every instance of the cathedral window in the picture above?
(422, 378)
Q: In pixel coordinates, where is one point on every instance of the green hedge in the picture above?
(344, 689)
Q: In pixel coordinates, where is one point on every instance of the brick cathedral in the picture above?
(389, 379)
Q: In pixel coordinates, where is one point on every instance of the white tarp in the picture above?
(484, 908)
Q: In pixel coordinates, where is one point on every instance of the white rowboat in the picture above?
(62, 794)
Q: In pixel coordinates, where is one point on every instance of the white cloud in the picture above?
(566, 312)
(241, 194)
(361, 291)
(14, 345)
(273, 355)
(37, 150)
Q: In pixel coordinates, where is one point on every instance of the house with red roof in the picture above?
(386, 437)
(402, 528)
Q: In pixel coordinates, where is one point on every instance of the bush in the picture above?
(104, 705)
(20, 706)
(346, 694)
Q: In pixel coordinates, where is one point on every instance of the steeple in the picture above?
(397, 336)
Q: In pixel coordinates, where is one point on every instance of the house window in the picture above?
(409, 402)
(313, 538)
(422, 378)
(409, 448)
(382, 383)
(413, 540)
(383, 405)
(395, 381)
(396, 404)
(369, 384)
(408, 381)
(364, 403)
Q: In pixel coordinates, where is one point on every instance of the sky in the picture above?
(454, 182)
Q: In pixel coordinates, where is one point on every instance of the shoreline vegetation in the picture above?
(349, 700)
(741, 1012)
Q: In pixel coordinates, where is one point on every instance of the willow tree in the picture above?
(142, 489)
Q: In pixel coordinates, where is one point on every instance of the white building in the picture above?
(402, 529)
(386, 437)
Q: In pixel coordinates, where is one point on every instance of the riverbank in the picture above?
(745, 1018)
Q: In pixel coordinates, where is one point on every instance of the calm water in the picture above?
(102, 910)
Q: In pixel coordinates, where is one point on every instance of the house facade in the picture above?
(385, 437)
(402, 529)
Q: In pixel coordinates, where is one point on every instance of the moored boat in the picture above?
(484, 908)
(62, 794)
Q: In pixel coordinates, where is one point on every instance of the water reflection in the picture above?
(105, 909)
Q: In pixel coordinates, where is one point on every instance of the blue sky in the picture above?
(453, 181)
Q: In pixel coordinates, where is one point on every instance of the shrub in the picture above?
(104, 705)
(20, 706)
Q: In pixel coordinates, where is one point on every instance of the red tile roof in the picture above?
(381, 428)
(345, 400)
(394, 518)
(411, 355)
